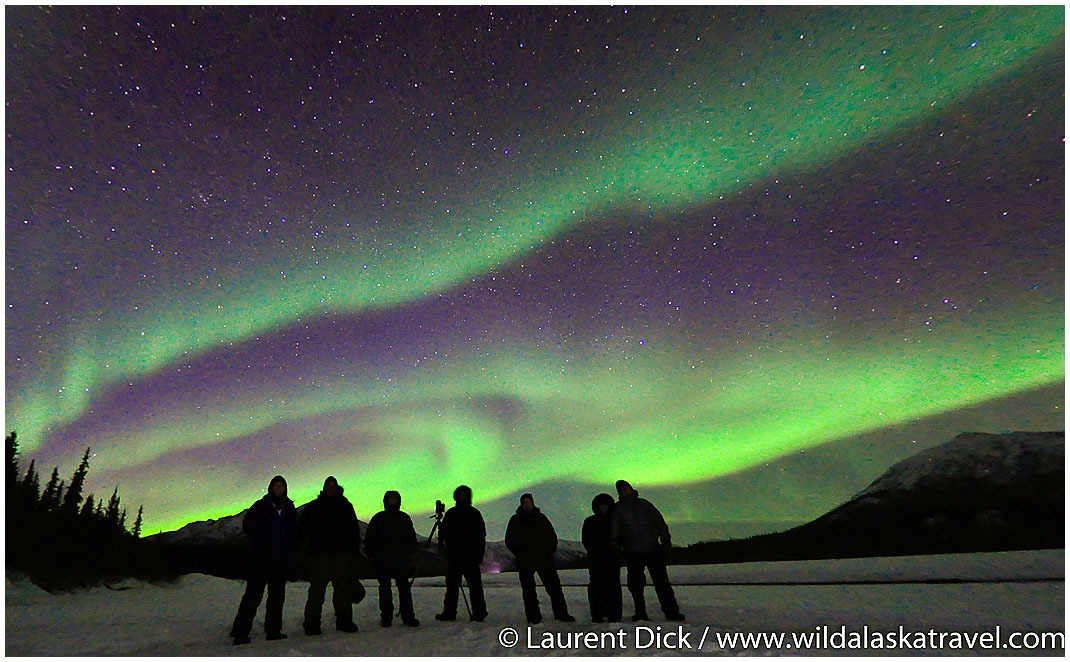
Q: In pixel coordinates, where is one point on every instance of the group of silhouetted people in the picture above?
(629, 531)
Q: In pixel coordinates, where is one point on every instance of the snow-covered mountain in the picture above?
(978, 492)
(215, 531)
(570, 554)
(975, 472)
(204, 532)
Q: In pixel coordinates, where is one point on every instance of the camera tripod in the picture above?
(440, 509)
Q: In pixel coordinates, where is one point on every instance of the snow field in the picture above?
(192, 617)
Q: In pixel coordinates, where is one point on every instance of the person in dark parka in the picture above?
(464, 536)
(640, 531)
(390, 542)
(330, 525)
(531, 538)
(603, 562)
(271, 524)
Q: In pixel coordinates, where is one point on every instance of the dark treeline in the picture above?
(63, 539)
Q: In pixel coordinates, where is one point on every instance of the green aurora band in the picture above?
(726, 416)
(712, 129)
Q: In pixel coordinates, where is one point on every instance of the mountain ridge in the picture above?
(977, 492)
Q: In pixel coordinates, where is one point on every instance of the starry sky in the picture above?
(743, 257)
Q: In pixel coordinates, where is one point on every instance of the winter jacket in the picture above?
(464, 534)
(272, 526)
(598, 535)
(531, 538)
(391, 540)
(637, 526)
(331, 526)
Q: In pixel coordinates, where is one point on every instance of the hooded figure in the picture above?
(330, 525)
(603, 564)
(531, 538)
(638, 528)
(271, 524)
(463, 534)
(390, 542)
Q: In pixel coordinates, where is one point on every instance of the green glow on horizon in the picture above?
(654, 418)
(681, 149)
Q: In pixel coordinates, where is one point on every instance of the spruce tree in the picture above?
(87, 508)
(30, 490)
(73, 498)
(138, 521)
(122, 520)
(50, 498)
(13, 507)
(12, 464)
(112, 512)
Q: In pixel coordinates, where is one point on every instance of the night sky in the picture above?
(744, 258)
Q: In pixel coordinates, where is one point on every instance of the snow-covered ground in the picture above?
(1018, 592)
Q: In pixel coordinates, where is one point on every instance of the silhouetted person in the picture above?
(603, 562)
(640, 531)
(464, 535)
(390, 542)
(531, 538)
(333, 533)
(271, 524)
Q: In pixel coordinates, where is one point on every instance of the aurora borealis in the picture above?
(744, 257)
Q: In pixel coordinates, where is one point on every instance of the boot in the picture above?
(640, 606)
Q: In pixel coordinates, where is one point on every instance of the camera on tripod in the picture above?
(440, 508)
